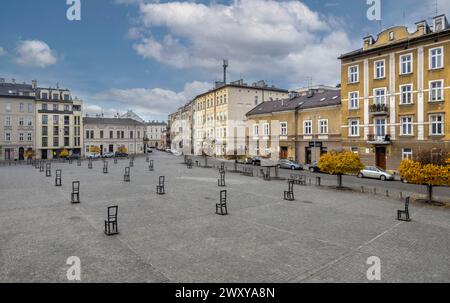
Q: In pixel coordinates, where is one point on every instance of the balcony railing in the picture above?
(378, 109)
(373, 139)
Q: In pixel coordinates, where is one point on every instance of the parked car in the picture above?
(375, 173)
(108, 155)
(93, 155)
(120, 155)
(168, 150)
(313, 167)
(74, 156)
(289, 165)
(255, 161)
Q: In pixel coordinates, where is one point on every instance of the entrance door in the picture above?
(44, 154)
(21, 154)
(101, 149)
(307, 155)
(7, 154)
(283, 152)
(380, 157)
(111, 148)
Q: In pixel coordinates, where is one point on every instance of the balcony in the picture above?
(378, 109)
(379, 140)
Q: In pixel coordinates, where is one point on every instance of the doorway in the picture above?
(283, 152)
(21, 154)
(380, 157)
(44, 154)
(307, 155)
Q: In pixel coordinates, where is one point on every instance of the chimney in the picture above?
(368, 41)
(422, 27)
(225, 65)
(33, 84)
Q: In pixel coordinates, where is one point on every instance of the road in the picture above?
(394, 187)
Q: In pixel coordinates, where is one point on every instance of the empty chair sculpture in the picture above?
(131, 163)
(298, 179)
(90, 163)
(70, 160)
(221, 181)
(221, 207)
(189, 163)
(150, 166)
(37, 164)
(160, 188)
(75, 197)
(41, 166)
(48, 170)
(289, 194)
(115, 160)
(111, 227)
(105, 167)
(58, 178)
(126, 176)
(404, 212)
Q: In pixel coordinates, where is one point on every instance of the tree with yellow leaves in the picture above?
(122, 149)
(430, 168)
(340, 163)
(29, 154)
(94, 149)
(64, 153)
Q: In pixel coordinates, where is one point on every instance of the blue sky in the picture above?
(153, 56)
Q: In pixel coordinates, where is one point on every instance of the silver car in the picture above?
(289, 165)
(375, 173)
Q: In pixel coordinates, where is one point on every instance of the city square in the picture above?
(324, 235)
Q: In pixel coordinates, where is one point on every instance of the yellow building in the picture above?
(301, 128)
(219, 127)
(396, 93)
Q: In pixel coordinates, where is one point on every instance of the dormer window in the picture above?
(438, 25)
(44, 96)
(391, 36)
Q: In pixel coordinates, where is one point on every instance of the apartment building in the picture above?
(396, 92)
(59, 123)
(154, 132)
(300, 128)
(17, 119)
(182, 129)
(219, 126)
(108, 134)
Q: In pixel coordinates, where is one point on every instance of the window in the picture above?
(353, 100)
(436, 93)
(66, 131)
(21, 137)
(118, 134)
(407, 153)
(21, 121)
(55, 130)
(379, 69)
(66, 141)
(353, 128)
(66, 97)
(45, 130)
(437, 124)
(255, 130)
(307, 127)
(266, 129)
(8, 107)
(66, 107)
(44, 96)
(380, 127)
(406, 94)
(87, 134)
(353, 76)
(101, 134)
(406, 125)
(55, 141)
(44, 106)
(380, 96)
(7, 136)
(92, 134)
(55, 107)
(30, 107)
(283, 127)
(391, 36)
(436, 58)
(256, 100)
(55, 119)
(111, 134)
(29, 137)
(406, 64)
(355, 150)
(323, 126)
(8, 121)
(29, 121)
(55, 96)
(44, 119)
(44, 141)
(21, 107)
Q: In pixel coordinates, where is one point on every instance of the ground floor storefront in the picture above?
(14, 152)
(55, 153)
(309, 152)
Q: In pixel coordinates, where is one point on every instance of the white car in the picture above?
(375, 173)
(93, 155)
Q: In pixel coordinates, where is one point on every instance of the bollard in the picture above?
(362, 189)
(387, 193)
(401, 196)
(318, 181)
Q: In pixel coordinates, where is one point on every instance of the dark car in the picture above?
(121, 155)
(313, 167)
(74, 156)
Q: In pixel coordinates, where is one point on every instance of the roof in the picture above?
(16, 90)
(156, 123)
(317, 100)
(266, 88)
(116, 121)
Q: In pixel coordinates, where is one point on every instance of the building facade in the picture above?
(154, 132)
(59, 123)
(182, 129)
(110, 134)
(219, 119)
(300, 128)
(396, 92)
(17, 119)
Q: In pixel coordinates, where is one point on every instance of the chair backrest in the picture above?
(291, 185)
(127, 171)
(48, 165)
(75, 186)
(58, 173)
(407, 203)
(105, 164)
(161, 180)
(151, 162)
(112, 212)
(223, 196)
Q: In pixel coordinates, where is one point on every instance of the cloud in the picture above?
(282, 39)
(148, 102)
(35, 53)
(2, 51)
